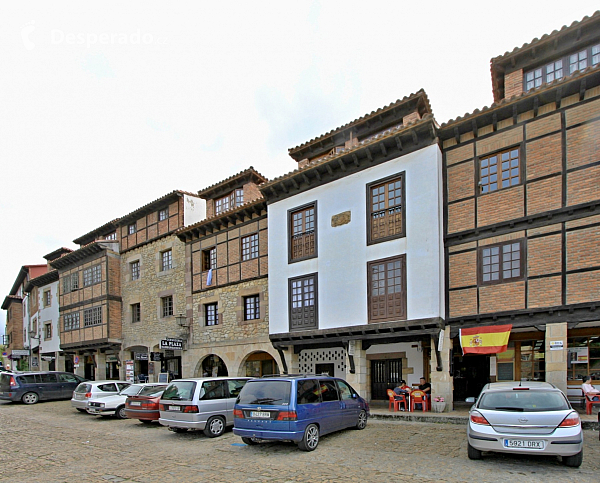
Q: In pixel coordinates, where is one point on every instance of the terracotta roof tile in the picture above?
(241, 174)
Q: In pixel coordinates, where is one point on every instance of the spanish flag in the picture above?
(485, 340)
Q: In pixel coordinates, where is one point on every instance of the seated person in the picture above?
(589, 390)
(401, 390)
(426, 388)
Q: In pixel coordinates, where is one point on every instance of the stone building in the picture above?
(521, 224)
(19, 306)
(356, 252)
(226, 282)
(153, 283)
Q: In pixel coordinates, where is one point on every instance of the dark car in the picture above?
(31, 387)
(297, 408)
(146, 405)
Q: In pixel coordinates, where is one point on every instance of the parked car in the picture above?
(527, 418)
(200, 403)
(95, 389)
(297, 408)
(31, 387)
(145, 405)
(114, 405)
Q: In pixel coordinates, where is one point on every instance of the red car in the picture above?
(144, 406)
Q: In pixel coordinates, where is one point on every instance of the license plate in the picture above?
(79, 396)
(93, 411)
(260, 414)
(174, 408)
(135, 403)
(523, 443)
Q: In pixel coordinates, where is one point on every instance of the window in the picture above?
(303, 302)
(387, 289)
(92, 316)
(212, 390)
(131, 229)
(47, 298)
(70, 283)
(163, 214)
(239, 197)
(303, 234)
(71, 321)
(222, 205)
(250, 247)
(96, 274)
(136, 313)
(211, 314)
(167, 306)
(251, 307)
(47, 331)
(229, 202)
(500, 170)
(166, 260)
(135, 270)
(111, 236)
(308, 392)
(74, 281)
(556, 69)
(533, 360)
(501, 263)
(209, 259)
(583, 357)
(385, 209)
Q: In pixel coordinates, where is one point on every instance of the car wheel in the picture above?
(145, 421)
(120, 413)
(81, 410)
(215, 427)
(310, 440)
(249, 441)
(30, 398)
(573, 461)
(178, 430)
(474, 454)
(362, 420)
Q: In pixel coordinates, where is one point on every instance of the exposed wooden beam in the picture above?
(342, 165)
(294, 183)
(316, 171)
(329, 170)
(284, 187)
(383, 149)
(398, 143)
(415, 137)
(305, 178)
(355, 159)
(369, 155)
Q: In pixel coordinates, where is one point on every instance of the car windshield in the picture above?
(131, 390)
(180, 391)
(265, 392)
(523, 400)
(152, 391)
(83, 388)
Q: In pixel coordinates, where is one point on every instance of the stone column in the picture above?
(556, 360)
(100, 366)
(441, 381)
(60, 361)
(292, 360)
(80, 371)
(359, 379)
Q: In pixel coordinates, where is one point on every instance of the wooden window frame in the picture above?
(163, 214)
(47, 296)
(501, 279)
(209, 258)
(403, 293)
(481, 178)
(166, 260)
(249, 246)
(71, 321)
(370, 239)
(251, 307)
(134, 268)
(131, 228)
(167, 308)
(290, 237)
(136, 313)
(111, 236)
(48, 331)
(314, 321)
(210, 319)
(92, 316)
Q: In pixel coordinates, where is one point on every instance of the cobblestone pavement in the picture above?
(51, 442)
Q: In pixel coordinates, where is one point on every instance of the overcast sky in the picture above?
(106, 106)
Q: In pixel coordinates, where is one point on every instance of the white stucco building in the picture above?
(356, 260)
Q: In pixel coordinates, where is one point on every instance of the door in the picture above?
(327, 369)
(349, 404)
(330, 411)
(50, 387)
(68, 383)
(385, 374)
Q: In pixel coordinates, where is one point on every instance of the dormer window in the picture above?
(163, 214)
(111, 236)
(229, 202)
(132, 228)
(557, 68)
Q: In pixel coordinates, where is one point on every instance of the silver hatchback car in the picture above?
(526, 418)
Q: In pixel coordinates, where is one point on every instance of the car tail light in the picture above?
(478, 418)
(13, 383)
(161, 407)
(88, 395)
(238, 413)
(190, 409)
(287, 416)
(571, 420)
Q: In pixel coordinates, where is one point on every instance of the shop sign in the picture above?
(169, 354)
(20, 352)
(578, 355)
(141, 356)
(155, 356)
(129, 372)
(174, 344)
(47, 358)
(111, 358)
(556, 345)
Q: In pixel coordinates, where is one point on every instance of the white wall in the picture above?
(194, 210)
(343, 252)
(46, 314)
(414, 358)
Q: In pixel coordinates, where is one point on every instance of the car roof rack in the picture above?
(298, 375)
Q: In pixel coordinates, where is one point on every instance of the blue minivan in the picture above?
(298, 408)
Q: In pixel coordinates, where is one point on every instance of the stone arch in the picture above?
(210, 363)
(255, 358)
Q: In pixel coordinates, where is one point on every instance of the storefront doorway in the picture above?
(385, 374)
(213, 366)
(471, 373)
(259, 364)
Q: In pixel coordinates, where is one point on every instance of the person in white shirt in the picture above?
(590, 390)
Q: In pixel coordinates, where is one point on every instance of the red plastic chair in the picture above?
(589, 403)
(418, 397)
(396, 402)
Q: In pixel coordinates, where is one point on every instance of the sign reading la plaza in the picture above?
(176, 344)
